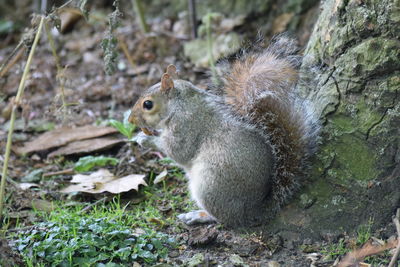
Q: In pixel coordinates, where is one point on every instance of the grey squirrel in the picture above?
(243, 144)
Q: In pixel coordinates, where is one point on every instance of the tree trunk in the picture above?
(352, 71)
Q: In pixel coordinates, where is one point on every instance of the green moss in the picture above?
(354, 159)
(343, 123)
(321, 189)
(366, 117)
(370, 57)
(298, 6)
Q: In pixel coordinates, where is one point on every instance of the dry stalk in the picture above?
(124, 48)
(11, 60)
(15, 104)
(355, 257)
(60, 71)
(396, 221)
(140, 12)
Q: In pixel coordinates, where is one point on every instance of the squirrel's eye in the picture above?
(148, 104)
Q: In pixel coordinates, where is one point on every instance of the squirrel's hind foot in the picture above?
(196, 217)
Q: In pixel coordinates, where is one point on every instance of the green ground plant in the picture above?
(125, 127)
(342, 247)
(107, 234)
(87, 163)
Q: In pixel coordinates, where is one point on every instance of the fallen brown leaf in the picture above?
(161, 177)
(104, 181)
(355, 257)
(69, 17)
(61, 137)
(86, 146)
(25, 186)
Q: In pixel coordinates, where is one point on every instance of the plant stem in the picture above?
(60, 72)
(7, 60)
(140, 12)
(17, 100)
(193, 18)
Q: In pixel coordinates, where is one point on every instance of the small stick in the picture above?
(67, 171)
(193, 18)
(124, 48)
(18, 97)
(16, 49)
(140, 12)
(12, 62)
(396, 221)
(88, 207)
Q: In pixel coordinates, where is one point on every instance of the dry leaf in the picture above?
(161, 177)
(356, 256)
(25, 186)
(86, 146)
(104, 181)
(69, 17)
(101, 176)
(61, 137)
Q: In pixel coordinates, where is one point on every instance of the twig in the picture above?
(354, 257)
(53, 47)
(16, 49)
(193, 18)
(60, 71)
(12, 62)
(67, 171)
(88, 207)
(18, 97)
(124, 48)
(396, 221)
(65, 4)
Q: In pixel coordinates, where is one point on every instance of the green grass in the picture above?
(342, 247)
(108, 234)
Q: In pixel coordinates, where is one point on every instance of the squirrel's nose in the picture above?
(132, 118)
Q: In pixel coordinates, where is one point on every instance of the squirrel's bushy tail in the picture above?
(261, 86)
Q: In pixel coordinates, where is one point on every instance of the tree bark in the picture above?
(351, 70)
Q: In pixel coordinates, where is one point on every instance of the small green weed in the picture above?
(125, 127)
(342, 247)
(364, 233)
(103, 236)
(335, 250)
(87, 163)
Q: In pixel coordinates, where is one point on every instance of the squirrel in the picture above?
(243, 144)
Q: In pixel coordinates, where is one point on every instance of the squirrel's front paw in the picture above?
(196, 217)
(143, 140)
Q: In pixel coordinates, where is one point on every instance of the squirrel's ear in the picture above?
(171, 71)
(166, 82)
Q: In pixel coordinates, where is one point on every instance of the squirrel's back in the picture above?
(261, 87)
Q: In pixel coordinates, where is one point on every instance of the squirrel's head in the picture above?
(151, 107)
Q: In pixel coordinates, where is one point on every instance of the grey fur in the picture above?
(235, 171)
(227, 161)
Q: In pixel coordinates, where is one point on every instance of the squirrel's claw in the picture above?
(196, 217)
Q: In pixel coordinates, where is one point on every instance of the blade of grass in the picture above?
(17, 99)
(138, 7)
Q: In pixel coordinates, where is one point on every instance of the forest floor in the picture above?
(136, 223)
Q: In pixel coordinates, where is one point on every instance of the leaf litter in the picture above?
(61, 137)
(104, 181)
